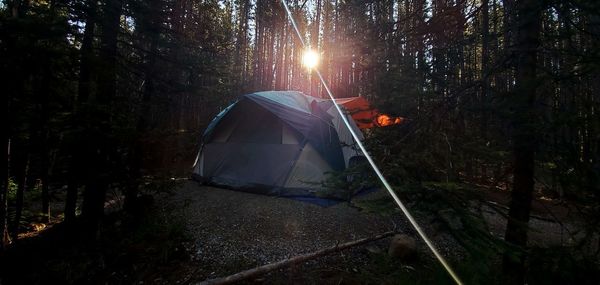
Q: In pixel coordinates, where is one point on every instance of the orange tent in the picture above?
(366, 116)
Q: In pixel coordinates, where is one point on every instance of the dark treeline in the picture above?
(498, 93)
(97, 90)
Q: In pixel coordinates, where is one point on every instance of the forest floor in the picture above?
(230, 231)
(192, 232)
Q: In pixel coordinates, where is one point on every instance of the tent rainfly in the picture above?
(277, 143)
(365, 116)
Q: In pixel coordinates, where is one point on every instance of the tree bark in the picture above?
(524, 137)
(4, 237)
(242, 46)
(19, 167)
(99, 153)
(45, 168)
(485, 27)
(152, 24)
(83, 94)
(314, 37)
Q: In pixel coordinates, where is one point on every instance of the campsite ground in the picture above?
(230, 231)
(192, 232)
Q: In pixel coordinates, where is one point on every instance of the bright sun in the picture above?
(310, 59)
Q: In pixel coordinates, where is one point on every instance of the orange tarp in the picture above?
(366, 116)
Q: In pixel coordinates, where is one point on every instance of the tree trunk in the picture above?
(14, 83)
(101, 143)
(20, 162)
(4, 237)
(524, 137)
(485, 26)
(242, 46)
(43, 97)
(137, 153)
(314, 80)
(83, 94)
(45, 177)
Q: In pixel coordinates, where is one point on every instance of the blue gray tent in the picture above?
(278, 143)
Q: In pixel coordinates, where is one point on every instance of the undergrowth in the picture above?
(126, 251)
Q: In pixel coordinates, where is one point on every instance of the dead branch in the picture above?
(250, 273)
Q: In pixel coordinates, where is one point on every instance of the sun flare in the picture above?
(310, 59)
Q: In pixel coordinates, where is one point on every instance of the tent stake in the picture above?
(254, 272)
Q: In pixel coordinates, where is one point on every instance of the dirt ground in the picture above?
(227, 231)
(233, 231)
(230, 231)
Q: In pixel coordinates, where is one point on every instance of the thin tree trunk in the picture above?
(242, 46)
(4, 237)
(45, 177)
(314, 80)
(485, 26)
(20, 173)
(44, 148)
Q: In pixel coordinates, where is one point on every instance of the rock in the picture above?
(373, 249)
(403, 247)
(451, 219)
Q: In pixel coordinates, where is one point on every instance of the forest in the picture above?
(106, 103)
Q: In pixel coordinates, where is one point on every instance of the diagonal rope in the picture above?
(410, 218)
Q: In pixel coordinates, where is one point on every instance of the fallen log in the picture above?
(254, 272)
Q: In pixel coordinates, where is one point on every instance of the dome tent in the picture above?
(277, 143)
